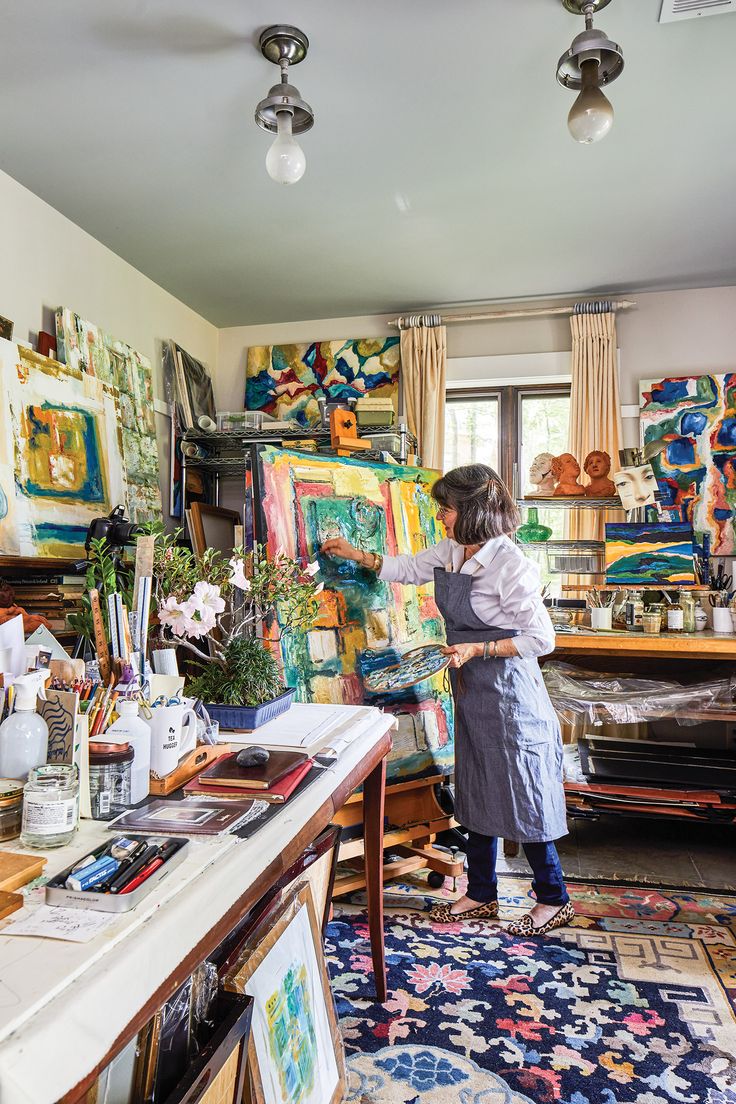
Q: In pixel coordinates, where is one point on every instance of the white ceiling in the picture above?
(439, 169)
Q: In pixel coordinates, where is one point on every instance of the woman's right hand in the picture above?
(340, 549)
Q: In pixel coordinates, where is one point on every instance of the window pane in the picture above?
(471, 432)
(544, 428)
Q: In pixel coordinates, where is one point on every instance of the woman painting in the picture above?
(508, 751)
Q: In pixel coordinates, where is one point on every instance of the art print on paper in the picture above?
(290, 1027)
(693, 420)
(60, 455)
(287, 380)
(364, 624)
(649, 554)
(85, 348)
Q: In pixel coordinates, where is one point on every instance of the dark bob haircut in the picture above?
(484, 506)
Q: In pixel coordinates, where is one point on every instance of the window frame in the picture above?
(510, 399)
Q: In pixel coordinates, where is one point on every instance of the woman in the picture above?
(508, 752)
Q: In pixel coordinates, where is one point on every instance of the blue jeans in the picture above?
(548, 885)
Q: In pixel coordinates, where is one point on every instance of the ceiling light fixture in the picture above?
(283, 111)
(592, 60)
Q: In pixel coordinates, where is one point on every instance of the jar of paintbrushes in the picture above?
(601, 605)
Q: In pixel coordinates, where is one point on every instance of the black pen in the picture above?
(122, 878)
(124, 867)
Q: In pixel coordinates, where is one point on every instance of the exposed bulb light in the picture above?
(283, 111)
(285, 160)
(592, 61)
(591, 116)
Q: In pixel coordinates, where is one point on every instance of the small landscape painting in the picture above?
(649, 554)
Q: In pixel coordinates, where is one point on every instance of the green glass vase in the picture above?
(532, 530)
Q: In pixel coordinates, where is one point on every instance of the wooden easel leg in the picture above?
(374, 797)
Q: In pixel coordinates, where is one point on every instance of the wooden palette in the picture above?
(415, 666)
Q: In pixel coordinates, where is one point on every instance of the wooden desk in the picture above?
(701, 645)
(66, 1009)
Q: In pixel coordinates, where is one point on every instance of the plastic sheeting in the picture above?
(599, 699)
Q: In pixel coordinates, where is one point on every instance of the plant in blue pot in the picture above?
(533, 531)
(223, 610)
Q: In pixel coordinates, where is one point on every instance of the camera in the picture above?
(115, 529)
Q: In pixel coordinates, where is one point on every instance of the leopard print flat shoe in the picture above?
(441, 914)
(526, 926)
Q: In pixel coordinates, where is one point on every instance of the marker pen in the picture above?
(122, 879)
(164, 852)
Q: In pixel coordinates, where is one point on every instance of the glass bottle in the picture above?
(687, 603)
(634, 609)
(675, 618)
(50, 806)
(533, 530)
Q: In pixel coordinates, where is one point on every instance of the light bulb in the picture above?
(591, 116)
(285, 160)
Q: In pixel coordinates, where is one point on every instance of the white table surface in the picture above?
(63, 1005)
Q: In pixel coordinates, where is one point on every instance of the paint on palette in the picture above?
(60, 454)
(415, 666)
(649, 554)
(85, 348)
(690, 424)
(364, 624)
(287, 380)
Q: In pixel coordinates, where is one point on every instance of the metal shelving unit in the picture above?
(565, 502)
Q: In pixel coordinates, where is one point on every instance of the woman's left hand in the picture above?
(461, 653)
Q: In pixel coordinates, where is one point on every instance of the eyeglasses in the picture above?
(445, 510)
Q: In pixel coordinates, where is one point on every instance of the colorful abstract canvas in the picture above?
(693, 420)
(60, 454)
(84, 347)
(649, 554)
(364, 624)
(287, 380)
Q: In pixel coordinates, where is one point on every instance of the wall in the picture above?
(51, 262)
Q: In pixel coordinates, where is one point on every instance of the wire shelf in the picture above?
(233, 437)
(565, 547)
(563, 502)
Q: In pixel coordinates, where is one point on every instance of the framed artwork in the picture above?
(213, 527)
(364, 624)
(649, 554)
(296, 1054)
(60, 455)
(85, 348)
(287, 380)
(6, 329)
(688, 428)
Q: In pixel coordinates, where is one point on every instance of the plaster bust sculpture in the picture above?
(597, 466)
(540, 474)
(566, 471)
(636, 487)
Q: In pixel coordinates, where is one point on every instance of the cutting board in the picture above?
(10, 903)
(17, 870)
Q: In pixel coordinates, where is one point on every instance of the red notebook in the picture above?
(227, 773)
(279, 792)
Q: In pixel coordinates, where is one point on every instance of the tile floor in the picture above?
(670, 853)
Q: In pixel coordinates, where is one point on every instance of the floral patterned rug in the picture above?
(634, 1003)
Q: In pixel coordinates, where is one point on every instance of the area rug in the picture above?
(634, 1003)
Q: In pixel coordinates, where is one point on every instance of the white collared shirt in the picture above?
(505, 591)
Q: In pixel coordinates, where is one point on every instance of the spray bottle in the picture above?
(24, 736)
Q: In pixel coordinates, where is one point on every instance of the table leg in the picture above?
(374, 797)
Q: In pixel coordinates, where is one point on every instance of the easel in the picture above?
(414, 819)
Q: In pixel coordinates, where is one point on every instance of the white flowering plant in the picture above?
(226, 609)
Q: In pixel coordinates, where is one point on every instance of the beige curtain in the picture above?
(595, 407)
(423, 368)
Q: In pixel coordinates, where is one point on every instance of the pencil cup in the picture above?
(722, 621)
(601, 617)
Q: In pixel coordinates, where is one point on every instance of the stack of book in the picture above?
(275, 781)
(54, 596)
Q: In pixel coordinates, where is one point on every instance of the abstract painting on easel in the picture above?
(689, 424)
(364, 624)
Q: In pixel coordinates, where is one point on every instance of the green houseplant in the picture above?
(223, 610)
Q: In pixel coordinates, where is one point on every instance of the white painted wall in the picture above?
(49, 262)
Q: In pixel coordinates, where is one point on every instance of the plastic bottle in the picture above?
(130, 729)
(24, 736)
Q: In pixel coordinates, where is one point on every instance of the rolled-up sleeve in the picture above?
(416, 570)
(523, 608)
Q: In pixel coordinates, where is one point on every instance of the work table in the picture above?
(66, 1008)
(699, 645)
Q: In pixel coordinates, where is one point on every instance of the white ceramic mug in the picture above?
(601, 617)
(173, 734)
(722, 621)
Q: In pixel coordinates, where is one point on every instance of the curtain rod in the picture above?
(529, 312)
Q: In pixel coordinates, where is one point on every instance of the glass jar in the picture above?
(661, 609)
(50, 806)
(687, 604)
(675, 618)
(110, 772)
(11, 807)
(651, 621)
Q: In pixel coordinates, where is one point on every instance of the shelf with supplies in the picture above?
(571, 502)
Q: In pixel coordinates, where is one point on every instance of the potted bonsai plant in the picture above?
(224, 611)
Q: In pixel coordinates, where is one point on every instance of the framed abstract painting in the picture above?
(688, 428)
(364, 624)
(60, 455)
(649, 554)
(287, 380)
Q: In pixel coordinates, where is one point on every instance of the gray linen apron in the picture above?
(508, 750)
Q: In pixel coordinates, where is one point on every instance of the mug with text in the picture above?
(173, 734)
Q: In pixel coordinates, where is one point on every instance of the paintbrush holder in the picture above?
(601, 618)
